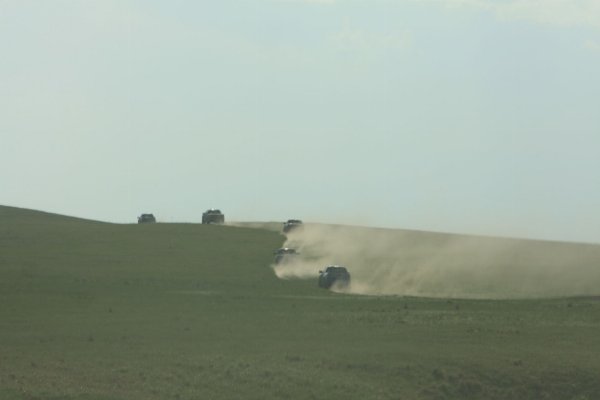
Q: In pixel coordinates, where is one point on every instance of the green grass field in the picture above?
(98, 311)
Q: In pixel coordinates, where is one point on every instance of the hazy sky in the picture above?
(470, 116)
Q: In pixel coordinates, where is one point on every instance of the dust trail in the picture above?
(385, 261)
(298, 268)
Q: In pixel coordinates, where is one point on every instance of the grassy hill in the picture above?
(91, 310)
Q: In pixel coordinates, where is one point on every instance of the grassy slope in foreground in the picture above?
(90, 310)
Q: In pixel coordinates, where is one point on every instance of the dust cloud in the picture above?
(414, 263)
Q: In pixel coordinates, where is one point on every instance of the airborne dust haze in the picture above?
(402, 262)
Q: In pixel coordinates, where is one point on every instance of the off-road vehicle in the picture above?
(146, 218)
(291, 224)
(334, 275)
(213, 216)
(285, 254)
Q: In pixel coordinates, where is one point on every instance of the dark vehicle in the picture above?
(284, 254)
(334, 275)
(146, 219)
(213, 216)
(291, 224)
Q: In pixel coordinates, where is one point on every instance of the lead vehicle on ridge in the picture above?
(213, 216)
(146, 218)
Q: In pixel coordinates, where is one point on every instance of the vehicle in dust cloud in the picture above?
(213, 216)
(285, 254)
(146, 219)
(334, 275)
(291, 224)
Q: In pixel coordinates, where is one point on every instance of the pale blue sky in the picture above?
(469, 116)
